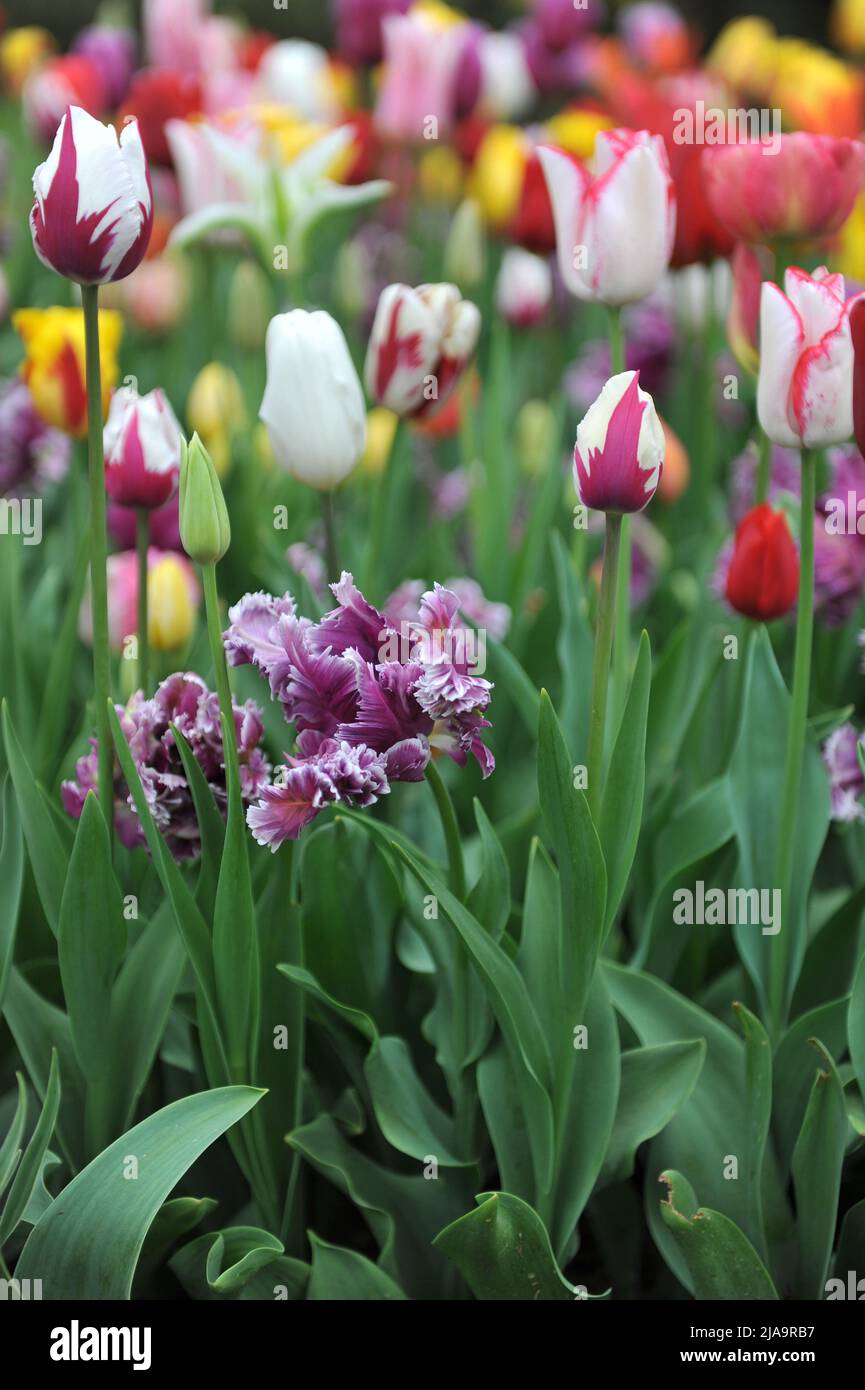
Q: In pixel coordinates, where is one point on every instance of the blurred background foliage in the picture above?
(311, 18)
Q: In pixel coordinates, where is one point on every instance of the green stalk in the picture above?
(607, 614)
(220, 669)
(764, 466)
(378, 516)
(331, 553)
(98, 552)
(795, 740)
(142, 542)
(622, 644)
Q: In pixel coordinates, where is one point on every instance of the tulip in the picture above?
(857, 332)
(465, 256)
(54, 363)
(249, 306)
(171, 614)
(561, 22)
(420, 344)
(805, 387)
(172, 32)
(848, 26)
(751, 265)
(745, 55)
(298, 74)
(524, 289)
(763, 577)
(313, 404)
(359, 27)
(142, 449)
(156, 97)
(113, 51)
(422, 54)
(816, 90)
(656, 36)
(93, 213)
(204, 525)
(72, 80)
(22, 51)
(156, 294)
(615, 228)
(620, 446)
(799, 186)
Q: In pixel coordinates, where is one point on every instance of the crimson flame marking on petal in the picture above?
(396, 351)
(612, 467)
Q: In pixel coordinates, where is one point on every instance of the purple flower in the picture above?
(358, 27)
(113, 52)
(785, 471)
(492, 618)
(182, 700)
(845, 775)
(307, 562)
(370, 696)
(32, 454)
(650, 341)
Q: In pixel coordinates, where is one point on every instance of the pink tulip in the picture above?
(142, 449)
(614, 229)
(93, 213)
(420, 344)
(799, 186)
(123, 595)
(620, 448)
(524, 289)
(805, 386)
(422, 62)
(172, 33)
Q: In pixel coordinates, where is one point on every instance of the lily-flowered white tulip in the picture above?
(272, 204)
(524, 289)
(620, 448)
(614, 226)
(805, 386)
(421, 341)
(313, 404)
(93, 211)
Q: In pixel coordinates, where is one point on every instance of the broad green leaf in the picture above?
(506, 1121)
(91, 944)
(582, 876)
(490, 898)
(793, 1071)
(142, 998)
(656, 1082)
(29, 1168)
(58, 675)
(175, 1219)
(510, 677)
(87, 1244)
(11, 876)
(832, 955)
(503, 1252)
(38, 1028)
(539, 958)
(211, 826)
(758, 1113)
(817, 1161)
(10, 1149)
(622, 805)
(44, 846)
(574, 649)
(340, 1275)
(856, 1025)
(851, 1252)
(723, 1264)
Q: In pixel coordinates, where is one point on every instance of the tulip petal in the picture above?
(781, 339)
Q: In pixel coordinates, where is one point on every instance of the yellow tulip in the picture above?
(441, 15)
(380, 433)
(21, 52)
(817, 91)
(848, 26)
(440, 175)
(575, 131)
(850, 255)
(170, 605)
(54, 366)
(745, 54)
(499, 173)
(215, 403)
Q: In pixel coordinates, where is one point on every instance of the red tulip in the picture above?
(763, 578)
(158, 95)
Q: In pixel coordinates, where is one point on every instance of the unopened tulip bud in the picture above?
(204, 526)
(465, 257)
(249, 306)
(620, 448)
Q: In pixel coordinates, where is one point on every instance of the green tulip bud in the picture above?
(465, 255)
(204, 526)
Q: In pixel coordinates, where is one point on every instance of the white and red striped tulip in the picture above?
(524, 288)
(93, 211)
(615, 226)
(805, 386)
(421, 342)
(620, 448)
(142, 449)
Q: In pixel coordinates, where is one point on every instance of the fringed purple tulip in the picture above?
(370, 699)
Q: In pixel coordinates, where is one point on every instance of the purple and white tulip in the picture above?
(620, 448)
(93, 211)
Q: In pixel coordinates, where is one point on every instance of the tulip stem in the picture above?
(331, 553)
(142, 544)
(795, 740)
(622, 643)
(220, 667)
(98, 552)
(601, 669)
(764, 467)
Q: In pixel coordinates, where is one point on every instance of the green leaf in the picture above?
(220, 1264)
(722, 1262)
(10, 1150)
(211, 826)
(29, 1169)
(38, 1029)
(503, 1252)
(44, 846)
(574, 648)
(656, 1082)
(340, 1275)
(87, 1244)
(174, 1219)
(622, 805)
(91, 944)
(490, 898)
(582, 876)
(851, 1250)
(794, 1071)
(817, 1162)
(856, 1025)
(11, 877)
(509, 676)
(54, 712)
(758, 1113)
